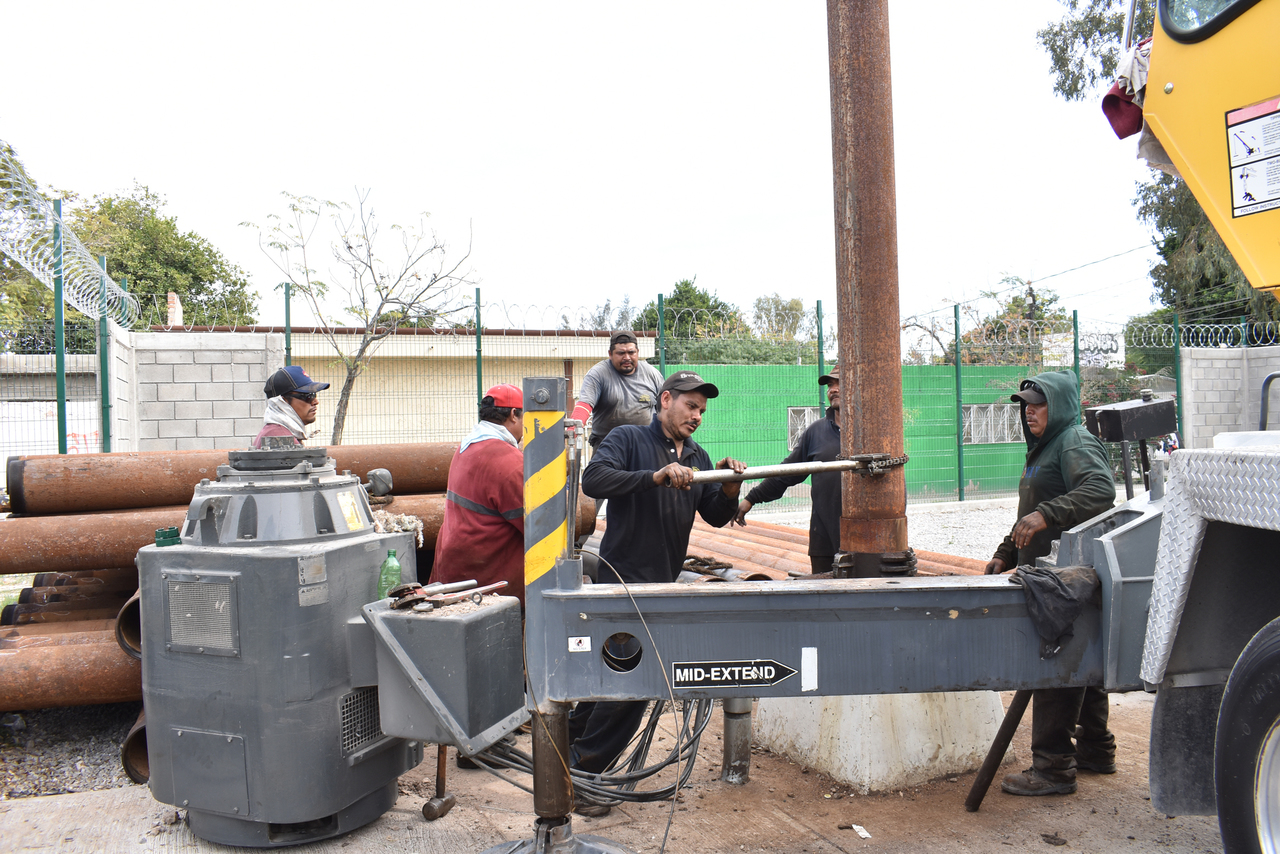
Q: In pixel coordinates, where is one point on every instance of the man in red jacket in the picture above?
(482, 535)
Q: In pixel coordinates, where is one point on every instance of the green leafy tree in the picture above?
(700, 328)
(146, 247)
(1197, 277)
(691, 312)
(1086, 46)
(413, 285)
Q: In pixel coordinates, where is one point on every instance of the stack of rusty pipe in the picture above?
(79, 521)
(763, 551)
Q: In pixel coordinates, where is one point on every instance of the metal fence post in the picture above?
(104, 358)
(1177, 376)
(822, 368)
(662, 340)
(288, 326)
(479, 355)
(959, 414)
(1244, 330)
(59, 335)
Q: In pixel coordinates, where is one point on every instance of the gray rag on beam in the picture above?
(1055, 597)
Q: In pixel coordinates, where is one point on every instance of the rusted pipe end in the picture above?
(133, 753)
(129, 626)
(8, 616)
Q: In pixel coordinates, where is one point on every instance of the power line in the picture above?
(1021, 285)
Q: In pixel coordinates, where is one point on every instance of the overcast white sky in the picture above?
(595, 150)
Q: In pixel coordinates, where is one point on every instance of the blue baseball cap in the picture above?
(292, 378)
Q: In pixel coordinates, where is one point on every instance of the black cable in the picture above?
(611, 789)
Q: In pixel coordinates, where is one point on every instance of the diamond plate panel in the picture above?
(1237, 486)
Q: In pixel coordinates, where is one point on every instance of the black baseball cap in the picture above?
(291, 379)
(622, 338)
(689, 381)
(1028, 392)
(832, 377)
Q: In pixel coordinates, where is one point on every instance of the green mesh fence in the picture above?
(423, 385)
(28, 388)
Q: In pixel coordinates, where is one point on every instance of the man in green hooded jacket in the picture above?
(1067, 480)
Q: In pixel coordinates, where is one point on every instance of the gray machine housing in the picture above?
(258, 722)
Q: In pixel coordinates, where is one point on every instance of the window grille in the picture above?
(992, 423)
(799, 419)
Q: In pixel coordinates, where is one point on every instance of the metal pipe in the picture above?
(60, 612)
(133, 752)
(54, 579)
(128, 626)
(987, 773)
(69, 669)
(1127, 461)
(49, 484)
(778, 532)
(89, 541)
(736, 767)
(779, 470)
(552, 787)
(874, 509)
(40, 630)
(75, 594)
(93, 540)
(1266, 403)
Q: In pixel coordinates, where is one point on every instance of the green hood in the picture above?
(1063, 396)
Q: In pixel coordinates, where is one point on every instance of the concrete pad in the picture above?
(881, 742)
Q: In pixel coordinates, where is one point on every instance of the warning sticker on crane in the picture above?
(1253, 140)
(728, 674)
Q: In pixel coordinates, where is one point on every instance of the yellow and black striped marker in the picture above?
(545, 476)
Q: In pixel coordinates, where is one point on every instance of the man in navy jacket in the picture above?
(820, 443)
(646, 473)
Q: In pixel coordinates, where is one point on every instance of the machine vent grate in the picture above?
(200, 614)
(360, 722)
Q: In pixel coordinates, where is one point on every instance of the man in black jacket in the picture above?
(646, 473)
(1067, 480)
(819, 443)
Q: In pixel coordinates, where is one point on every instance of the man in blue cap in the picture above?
(291, 406)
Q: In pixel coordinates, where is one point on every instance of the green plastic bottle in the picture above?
(388, 574)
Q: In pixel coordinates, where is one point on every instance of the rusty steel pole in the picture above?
(874, 519)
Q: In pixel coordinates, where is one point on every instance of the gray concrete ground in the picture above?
(784, 808)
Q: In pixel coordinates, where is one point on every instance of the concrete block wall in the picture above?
(1222, 391)
(200, 390)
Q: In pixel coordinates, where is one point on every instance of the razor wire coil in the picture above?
(27, 226)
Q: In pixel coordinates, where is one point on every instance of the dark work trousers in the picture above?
(821, 563)
(1055, 714)
(599, 732)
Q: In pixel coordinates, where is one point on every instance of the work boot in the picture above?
(1036, 782)
(1097, 766)
(590, 810)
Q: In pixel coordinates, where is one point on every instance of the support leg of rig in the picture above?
(553, 795)
(736, 769)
